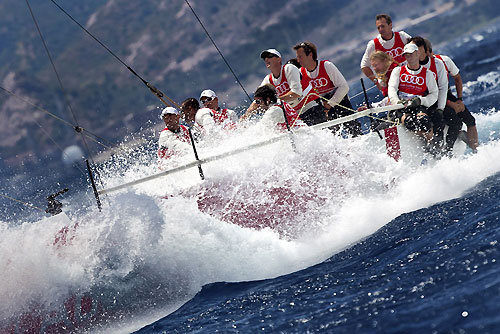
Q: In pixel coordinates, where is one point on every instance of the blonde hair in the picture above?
(386, 59)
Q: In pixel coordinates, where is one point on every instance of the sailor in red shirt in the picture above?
(174, 138)
(285, 78)
(414, 83)
(387, 41)
(204, 121)
(323, 79)
(442, 116)
(275, 110)
(225, 117)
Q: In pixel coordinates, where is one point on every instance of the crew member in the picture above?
(387, 41)
(225, 117)
(324, 89)
(417, 85)
(454, 104)
(174, 138)
(203, 121)
(382, 64)
(285, 78)
(189, 110)
(437, 67)
(274, 109)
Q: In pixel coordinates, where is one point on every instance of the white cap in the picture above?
(169, 110)
(208, 93)
(410, 48)
(265, 54)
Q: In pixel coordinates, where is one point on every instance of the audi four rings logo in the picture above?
(412, 79)
(283, 88)
(318, 83)
(395, 52)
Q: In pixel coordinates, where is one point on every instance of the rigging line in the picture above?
(57, 145)
(37, 107)
(78, 129)
(24, 203)
(358, 94)
(45, 132)
(153, 89)
(58, 77)
(52, 62)
(213, 42)
(65, 94)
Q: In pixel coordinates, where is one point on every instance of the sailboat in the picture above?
(272, 206)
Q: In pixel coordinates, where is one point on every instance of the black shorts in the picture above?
(465, 115)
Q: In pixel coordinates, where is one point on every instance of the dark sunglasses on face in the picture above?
(206, 100)
(258, 101)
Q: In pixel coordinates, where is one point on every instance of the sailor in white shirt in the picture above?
(455, 105)
(437, 67)
(285, 78)
(174, 138)
(210, 100)
(414, 82)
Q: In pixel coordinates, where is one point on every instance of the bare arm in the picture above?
(369, 73)
(458, 106)
(459, 85)
(292, 75)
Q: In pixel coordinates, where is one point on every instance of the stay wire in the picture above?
(48, 135)
(213, 42)
(24, 203)
(153, 89)
(59, 147)
(87, 133)
(58, 78)
(77, 128)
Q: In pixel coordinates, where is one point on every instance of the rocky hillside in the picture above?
(164, 43)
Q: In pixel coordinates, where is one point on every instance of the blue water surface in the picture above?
(434, 270)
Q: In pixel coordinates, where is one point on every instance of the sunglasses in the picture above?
(206, 100)
(258, 101)
(306, 47)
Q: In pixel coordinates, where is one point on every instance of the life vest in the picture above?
(441, 58)
(221, 117)
(396, 52)
(284, 86)
(385, 89)
(182, 135)
(291, 115)
(433, 67)
(413, 84)
(313, 88)
(322, 84)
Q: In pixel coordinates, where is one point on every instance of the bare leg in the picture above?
(472, 137)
